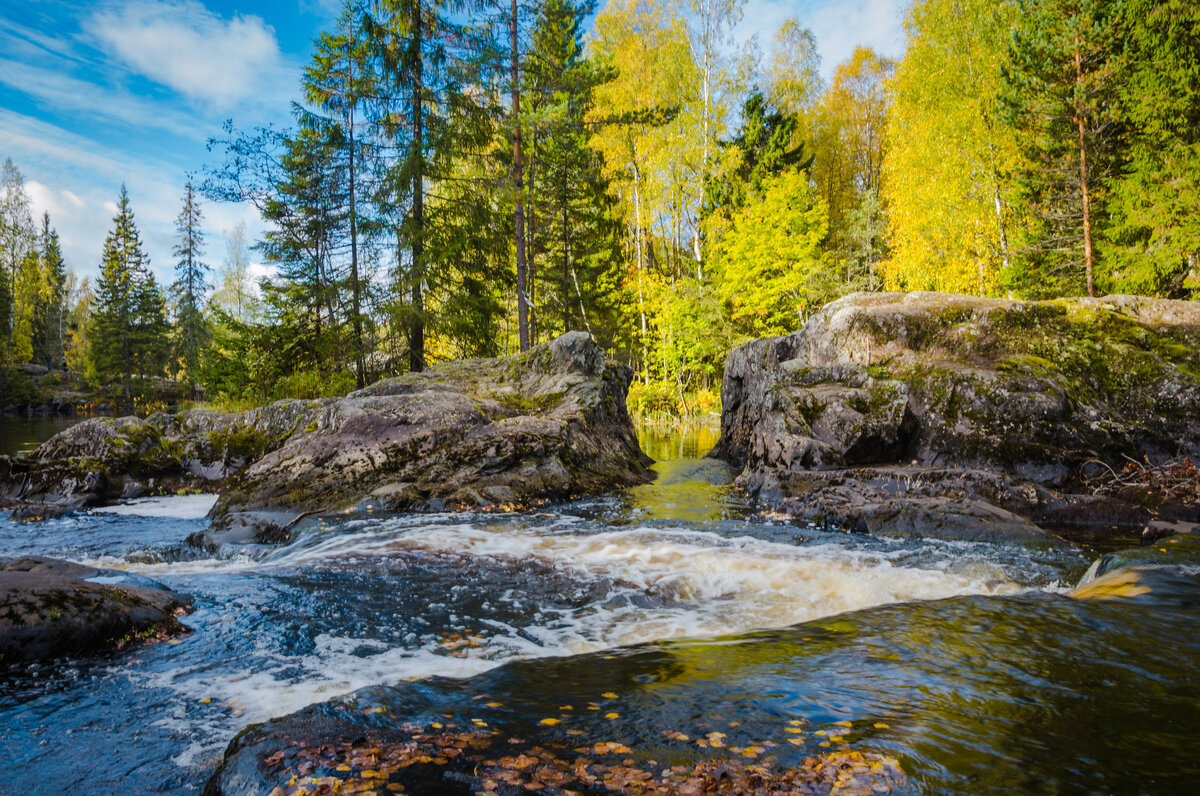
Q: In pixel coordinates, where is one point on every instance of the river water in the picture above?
(986, 677)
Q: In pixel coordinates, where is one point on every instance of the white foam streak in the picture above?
(185, 507)
(700, 583)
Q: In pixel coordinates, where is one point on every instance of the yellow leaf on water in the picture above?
(206, 700)
(493, 705)
(609, 695)
(793, 729)
(611, 716)
(548, 722)
(879, 725)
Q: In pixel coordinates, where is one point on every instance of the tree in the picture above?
(440, 130)
(771, 270)
(1155, 201)
(1060, 88)
(233, 294)
(338, 80)
(190, 288)
(850, 134)
(654, 157)
(949, 160)
(764, 147)
(793, 77)
(50, 317)
(568, 194)
(17, 245)
(128, 331)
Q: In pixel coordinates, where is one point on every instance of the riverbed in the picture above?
(981, 675)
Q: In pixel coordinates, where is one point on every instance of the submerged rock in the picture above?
(549, 423)
(51, 609)
(838, 419)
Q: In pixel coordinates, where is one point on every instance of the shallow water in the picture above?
(383, 601)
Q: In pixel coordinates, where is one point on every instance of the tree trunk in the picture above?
(519, 206)
(359, 359)
(416, 329)
(1088, 255)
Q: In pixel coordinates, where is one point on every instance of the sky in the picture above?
(94, 95)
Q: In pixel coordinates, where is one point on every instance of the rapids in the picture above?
(388, 600)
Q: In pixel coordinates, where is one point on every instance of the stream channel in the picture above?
(966, 662)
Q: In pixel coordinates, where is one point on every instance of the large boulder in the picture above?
(944, 385)
(51, 608)
(549, 423)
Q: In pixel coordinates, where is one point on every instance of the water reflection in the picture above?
(687, 488)
(20, 434)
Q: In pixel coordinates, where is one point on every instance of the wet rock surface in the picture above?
(949, 415)
(52, 609)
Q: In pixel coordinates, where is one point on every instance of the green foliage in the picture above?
(770, 260)
(128, 330)
(191, 333)
(1155, 239)
(1059, 96)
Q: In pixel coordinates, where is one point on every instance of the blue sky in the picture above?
(94, 94)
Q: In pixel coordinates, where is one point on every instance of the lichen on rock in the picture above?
(1031, 390)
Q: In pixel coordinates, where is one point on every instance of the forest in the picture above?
(472, 178)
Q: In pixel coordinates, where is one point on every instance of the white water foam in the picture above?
(184, 507)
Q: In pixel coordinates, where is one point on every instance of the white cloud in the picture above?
(76, 181)
(61, 92)
(186, 47)
(839, 25)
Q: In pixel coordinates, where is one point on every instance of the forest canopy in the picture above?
(473, 178)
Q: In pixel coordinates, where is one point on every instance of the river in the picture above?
(966, 661)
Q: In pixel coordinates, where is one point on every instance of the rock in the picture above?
(957, 386)
(104, 459)
(51, 609)
(547, 424)
(550, 423)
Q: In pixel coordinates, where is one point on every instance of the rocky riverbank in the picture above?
(946, 415)
(51, 609)
(547, 424)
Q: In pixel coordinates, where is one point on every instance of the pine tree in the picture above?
(190, 289)
(765, 148)
(1059, 96)
(128, 332)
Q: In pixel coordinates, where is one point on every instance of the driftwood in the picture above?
(1174, 479)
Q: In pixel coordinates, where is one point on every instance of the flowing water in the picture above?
(1009, 686)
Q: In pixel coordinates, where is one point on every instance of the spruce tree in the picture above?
(569, 207)
(190, 289)
(1060, 92)
(128, 332)
(1156, 200)
(17, 241)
